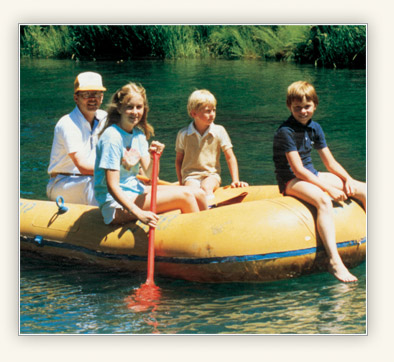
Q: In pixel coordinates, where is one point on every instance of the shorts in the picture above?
(197, 179)
(73, 189)
(108, 209)
(283, 192)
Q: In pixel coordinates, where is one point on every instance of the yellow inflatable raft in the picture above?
(254, 234)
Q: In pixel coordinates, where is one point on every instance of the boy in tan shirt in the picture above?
(198, 147)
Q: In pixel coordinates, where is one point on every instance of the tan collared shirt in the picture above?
(202, 153)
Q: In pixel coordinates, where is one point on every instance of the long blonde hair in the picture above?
(121, 97)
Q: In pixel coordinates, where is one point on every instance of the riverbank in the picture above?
(331, 46)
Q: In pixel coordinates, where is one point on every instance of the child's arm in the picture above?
(233, 168)
(334, 167)
(112, 178)
(304, 174)
(178, 166)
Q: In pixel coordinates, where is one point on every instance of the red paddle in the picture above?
(148, 294)
(151, 243)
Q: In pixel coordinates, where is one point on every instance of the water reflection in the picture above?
(77, 299)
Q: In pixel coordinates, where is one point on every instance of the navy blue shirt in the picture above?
(294, 136)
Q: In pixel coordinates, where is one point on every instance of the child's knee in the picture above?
(210, 184)
(188, 193)
(361, 187)
(324, 202)
(199, 193)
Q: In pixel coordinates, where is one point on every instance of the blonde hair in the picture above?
(122, 97)
(200, 98)
(297, 91)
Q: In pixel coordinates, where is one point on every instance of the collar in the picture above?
(80, 119)
(77, 115)
(191, 129)
(294, 122)
(135, 131)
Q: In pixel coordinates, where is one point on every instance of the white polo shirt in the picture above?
(74, 134)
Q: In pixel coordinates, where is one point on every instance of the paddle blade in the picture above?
(146, 297)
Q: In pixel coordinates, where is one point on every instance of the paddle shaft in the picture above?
(151, 239)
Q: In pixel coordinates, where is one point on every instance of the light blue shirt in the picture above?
(109, 152)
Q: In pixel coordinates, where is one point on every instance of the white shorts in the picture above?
(74, 189)
(108, 210)
(198, 179)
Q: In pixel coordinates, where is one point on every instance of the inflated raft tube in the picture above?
(252, 240)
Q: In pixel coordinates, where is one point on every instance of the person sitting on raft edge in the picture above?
(121, 150)
(296, 175)
(198, 147)
(73, 151)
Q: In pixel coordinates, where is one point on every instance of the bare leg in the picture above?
(325, 224)
(194, 186)
(361, 193)
(200, 198)
(360, 187)
(210, 185)
(170, 198)
(206, 187)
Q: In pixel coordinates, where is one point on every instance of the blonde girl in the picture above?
(121, 150)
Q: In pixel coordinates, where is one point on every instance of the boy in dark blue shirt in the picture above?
(297, 176)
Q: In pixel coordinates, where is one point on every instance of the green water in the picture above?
(251, 104)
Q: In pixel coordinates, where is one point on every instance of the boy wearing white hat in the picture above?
(74, 144)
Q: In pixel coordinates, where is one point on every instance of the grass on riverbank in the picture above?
(330, 46)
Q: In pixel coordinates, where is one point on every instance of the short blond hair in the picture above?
(200, 98)
(297, 91)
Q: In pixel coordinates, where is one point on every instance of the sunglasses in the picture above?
(86, 95)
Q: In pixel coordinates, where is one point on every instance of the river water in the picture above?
(70, 299)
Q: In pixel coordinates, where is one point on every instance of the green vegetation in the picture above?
(328, 46)
(334, 46)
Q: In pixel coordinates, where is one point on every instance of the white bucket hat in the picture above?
(88, 81)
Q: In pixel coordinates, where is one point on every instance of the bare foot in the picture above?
(341, 272)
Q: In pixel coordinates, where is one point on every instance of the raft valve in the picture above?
(38, 239)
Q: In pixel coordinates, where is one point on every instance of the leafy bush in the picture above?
(46, 41)
(334, 46)
(329, 46)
